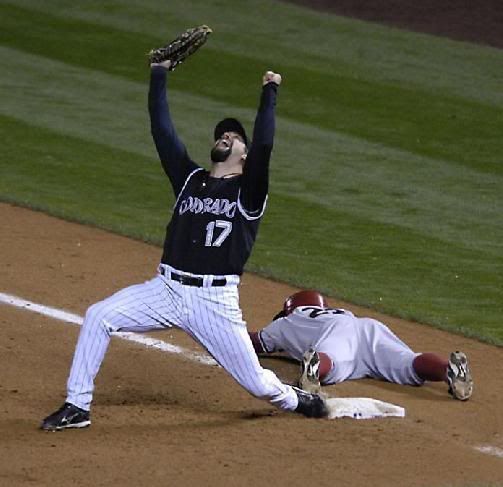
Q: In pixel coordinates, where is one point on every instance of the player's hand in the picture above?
(165, 64)
(271, 77)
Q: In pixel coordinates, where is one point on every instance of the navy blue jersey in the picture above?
(215, 220)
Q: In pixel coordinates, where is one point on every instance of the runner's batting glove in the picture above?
(179, 49)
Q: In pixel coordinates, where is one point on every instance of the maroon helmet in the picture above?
(303, 298)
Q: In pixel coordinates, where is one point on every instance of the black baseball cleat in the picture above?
(67, 416)
(311, 405)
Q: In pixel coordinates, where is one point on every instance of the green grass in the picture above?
(387, 174)
(442, 126)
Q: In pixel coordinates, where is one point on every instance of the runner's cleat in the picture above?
(459, 376)
(310, 372)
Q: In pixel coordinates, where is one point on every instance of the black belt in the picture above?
(191, 280)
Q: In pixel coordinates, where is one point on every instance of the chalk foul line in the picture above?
(67, 317)
(490, 450)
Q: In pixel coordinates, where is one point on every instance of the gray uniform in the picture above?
(358, 347)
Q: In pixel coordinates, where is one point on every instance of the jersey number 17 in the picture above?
(218, 240)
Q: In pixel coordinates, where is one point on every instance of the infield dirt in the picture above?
(161, 419)
(464, 20)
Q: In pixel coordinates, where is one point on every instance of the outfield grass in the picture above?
(387, 174)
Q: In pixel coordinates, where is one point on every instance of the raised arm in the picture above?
(172, 153)
(255, 182)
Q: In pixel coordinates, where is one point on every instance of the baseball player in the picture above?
(208, 240)
(333, 345)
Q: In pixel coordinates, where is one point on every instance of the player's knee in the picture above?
(95, 315)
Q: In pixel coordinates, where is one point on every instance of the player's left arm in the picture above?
(255, 181)
(269, 339)
(258, 345)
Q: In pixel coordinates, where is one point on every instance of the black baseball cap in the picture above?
(230, 125)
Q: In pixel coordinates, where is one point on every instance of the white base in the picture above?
(362, 408)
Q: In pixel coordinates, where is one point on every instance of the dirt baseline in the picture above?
(161, 419)
(463, 20)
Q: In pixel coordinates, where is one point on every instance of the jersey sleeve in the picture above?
(255, 181)
(172, 152)
(271, 337)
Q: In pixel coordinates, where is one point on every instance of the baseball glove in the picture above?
(178, 50)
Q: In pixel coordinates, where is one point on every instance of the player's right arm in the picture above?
(172, 152)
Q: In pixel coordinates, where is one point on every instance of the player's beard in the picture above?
(220, 154)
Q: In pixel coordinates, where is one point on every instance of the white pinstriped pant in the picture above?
(211, 315)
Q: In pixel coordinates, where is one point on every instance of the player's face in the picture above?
(229, 143)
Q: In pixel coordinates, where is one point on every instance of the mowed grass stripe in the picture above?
(330, 169)
(273, 31)
(416, 120)
(384, 267)
(104, 108)
(92, 183)
(83, 181)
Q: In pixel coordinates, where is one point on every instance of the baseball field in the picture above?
(386, 194)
